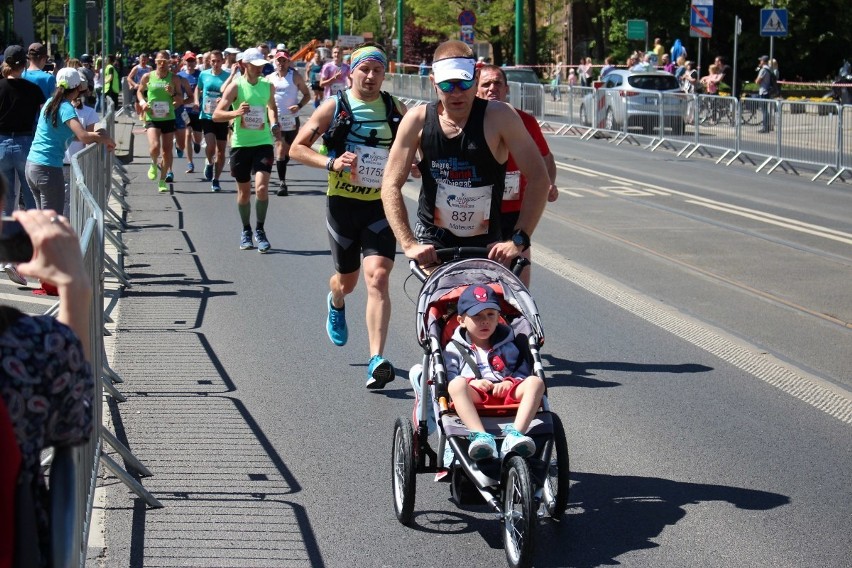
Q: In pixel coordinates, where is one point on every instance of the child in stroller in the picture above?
(484, 366)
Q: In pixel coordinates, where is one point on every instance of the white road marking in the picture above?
(818, 393)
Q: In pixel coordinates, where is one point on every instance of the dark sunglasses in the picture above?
(449, 86)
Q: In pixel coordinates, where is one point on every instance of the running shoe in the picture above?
(215, 187)
(245, 240)
(208, 172)
(14, 275)
(196, 147)
(152, 172)
(379, 372)
(263, 245)
(336, 324)
(190, 167)
(282, 189)
(516, 442)
(170, 177)
(482, 446)
(162, 186)
(179, 152)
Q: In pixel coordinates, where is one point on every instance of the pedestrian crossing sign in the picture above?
(773, 22)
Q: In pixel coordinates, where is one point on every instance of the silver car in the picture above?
(636, 99)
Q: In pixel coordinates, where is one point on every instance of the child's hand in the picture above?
(483, 384)
(501, 389)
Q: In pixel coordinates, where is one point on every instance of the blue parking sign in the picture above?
(773, 22)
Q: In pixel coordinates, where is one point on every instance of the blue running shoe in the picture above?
(516, 442)
(190, 167)
(208, 172)
(170, 177)
(336, 324)
(245, 241)
(196, 147)
(215, 187)
(379, 372)
(179, 152)
(263, 245)
(482, 446)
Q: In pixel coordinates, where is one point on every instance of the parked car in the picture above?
(525, 90)
(635, 99)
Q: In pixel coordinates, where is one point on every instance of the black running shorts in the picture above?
(249, 160)
(357, 227)
(164, 126)
(218, 129)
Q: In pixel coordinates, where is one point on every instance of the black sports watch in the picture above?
(521, 239)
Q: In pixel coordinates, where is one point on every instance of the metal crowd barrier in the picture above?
(93, 183)
(767, 133)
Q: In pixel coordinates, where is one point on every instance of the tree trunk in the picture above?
(531, 54)
(383, 21)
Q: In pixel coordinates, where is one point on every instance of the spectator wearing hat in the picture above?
(57, 125)
(37, 55)
(230, 54)
(85, 69)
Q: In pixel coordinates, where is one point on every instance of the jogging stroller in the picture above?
(517, 489)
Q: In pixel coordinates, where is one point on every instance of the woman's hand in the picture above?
(56, 258)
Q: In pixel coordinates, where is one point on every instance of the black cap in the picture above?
(86, 58)
(764, 58)
(15, 55)
(37, 50)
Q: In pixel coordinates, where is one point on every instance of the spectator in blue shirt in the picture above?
(37, 55)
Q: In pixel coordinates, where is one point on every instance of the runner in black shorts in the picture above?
(249, 160)
(219, 130)
(354, 214)
(357, 227)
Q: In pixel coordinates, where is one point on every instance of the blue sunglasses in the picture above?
(449, 86)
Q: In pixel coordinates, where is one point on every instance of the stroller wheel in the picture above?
(404, 477)
(518, 511)
(556, 483)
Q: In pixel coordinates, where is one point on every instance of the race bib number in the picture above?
(287, 121)
(464, 211)
(369, 168)
(159, 109)
(512, 191)
(254, 118)
(210, 105)
(337, 87)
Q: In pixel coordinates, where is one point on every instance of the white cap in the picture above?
(281, 47)
(231, 50)
(454, 68)
(68, 77)
(254, 56)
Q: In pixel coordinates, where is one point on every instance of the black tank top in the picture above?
(463, 161)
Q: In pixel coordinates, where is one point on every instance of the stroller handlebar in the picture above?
(459, 253)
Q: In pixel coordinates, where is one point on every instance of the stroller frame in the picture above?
(517, 490)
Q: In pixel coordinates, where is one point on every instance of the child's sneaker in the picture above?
(482, 446)
(516, 442)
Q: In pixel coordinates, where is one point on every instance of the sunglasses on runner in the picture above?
(450, 85)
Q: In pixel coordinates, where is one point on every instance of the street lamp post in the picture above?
(171, 26)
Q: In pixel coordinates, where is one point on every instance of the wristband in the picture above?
(329, 165)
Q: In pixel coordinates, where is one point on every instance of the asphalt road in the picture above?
(697, 349)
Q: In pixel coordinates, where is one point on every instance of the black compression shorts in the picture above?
(357, 227)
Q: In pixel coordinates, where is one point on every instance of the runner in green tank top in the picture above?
(158, 94)
(250, 103)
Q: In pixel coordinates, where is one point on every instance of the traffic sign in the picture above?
(467, 18)
(56, 19)
(773, 22)
(637, 29)
(701, 18)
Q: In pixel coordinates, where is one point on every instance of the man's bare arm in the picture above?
(317, 124)
(396, 173)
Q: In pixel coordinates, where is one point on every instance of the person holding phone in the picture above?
(51, 403)
(57, 124)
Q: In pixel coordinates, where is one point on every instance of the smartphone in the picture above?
(48, 68)
(15, 243)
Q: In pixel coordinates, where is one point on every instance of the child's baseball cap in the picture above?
(476, 298)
